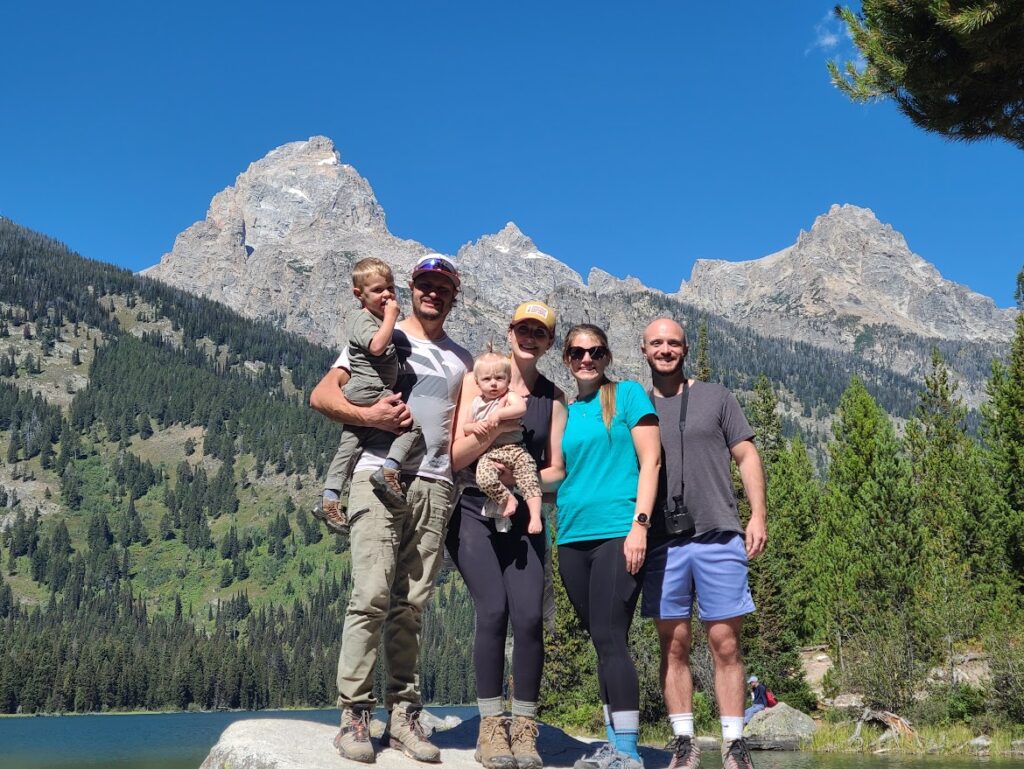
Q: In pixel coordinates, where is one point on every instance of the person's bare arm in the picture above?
(748, 461)
(647, 443)
(391, 413)
(382, 338)
(553, 474)
(514, 408)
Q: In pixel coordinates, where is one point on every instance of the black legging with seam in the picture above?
(505, 572)
(604, 596)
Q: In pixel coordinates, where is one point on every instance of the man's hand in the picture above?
(757, 536)
(479, 429)
(390, 414)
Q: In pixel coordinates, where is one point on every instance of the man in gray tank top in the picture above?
(697, 546)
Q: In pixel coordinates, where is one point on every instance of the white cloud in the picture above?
(828, 33)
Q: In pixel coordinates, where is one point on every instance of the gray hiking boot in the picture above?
(404, 732)
(492, 746)
(607, 757)
(685, 753)
(353, 739)
(388, 484)
(523, 736)
(736, 755)
(332, 513)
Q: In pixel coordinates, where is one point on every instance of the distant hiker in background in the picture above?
(758, 696)
(397, 550)
(373, 373)
(698, 547)
(505, 571)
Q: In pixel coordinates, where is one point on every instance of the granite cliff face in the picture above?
(850, 271)
(281, 242)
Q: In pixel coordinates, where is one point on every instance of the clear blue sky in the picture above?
(635, 137)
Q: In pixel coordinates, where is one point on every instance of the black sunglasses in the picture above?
(596, 353)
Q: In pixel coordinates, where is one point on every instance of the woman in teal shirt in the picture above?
(612, 453)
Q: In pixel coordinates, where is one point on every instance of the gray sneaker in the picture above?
(736, 755)
(404, 732)
(607, 757)
(685, 753)
(353, 739)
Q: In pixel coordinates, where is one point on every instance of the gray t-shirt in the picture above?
(429, 380)
(714, 424)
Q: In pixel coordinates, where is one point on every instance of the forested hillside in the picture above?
(158, 462)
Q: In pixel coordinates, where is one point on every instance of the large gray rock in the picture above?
(288, 744)
(779, 728)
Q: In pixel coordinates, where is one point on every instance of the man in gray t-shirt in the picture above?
(697, 546)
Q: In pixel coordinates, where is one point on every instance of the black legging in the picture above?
(604, 595)
(505, 576)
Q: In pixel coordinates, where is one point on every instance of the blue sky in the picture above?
(632, 137)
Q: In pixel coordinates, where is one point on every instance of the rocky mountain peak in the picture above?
(507, 268)
(848, 272)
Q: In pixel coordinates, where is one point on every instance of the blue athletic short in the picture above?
(711, 568)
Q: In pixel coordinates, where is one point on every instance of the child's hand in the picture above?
(493, 421)
(479, 429)
(391, 309)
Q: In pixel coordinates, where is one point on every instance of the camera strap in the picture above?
(682, 417)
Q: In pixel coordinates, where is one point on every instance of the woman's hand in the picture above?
(635, 548)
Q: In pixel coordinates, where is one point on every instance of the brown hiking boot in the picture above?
(523, 734)
(388, 484)
(492, 746)
(404, 732)
(332, 513)
(353, 739)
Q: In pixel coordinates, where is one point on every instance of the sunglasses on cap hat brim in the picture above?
(437, 264)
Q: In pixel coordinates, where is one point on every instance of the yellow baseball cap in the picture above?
(535, 310)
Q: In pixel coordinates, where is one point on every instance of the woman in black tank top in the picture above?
(505, 571)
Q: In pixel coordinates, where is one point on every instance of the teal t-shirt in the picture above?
(597, 499)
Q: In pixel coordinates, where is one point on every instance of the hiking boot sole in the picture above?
(496, 762)
(360, 756)
(388, 494)
(397, 744)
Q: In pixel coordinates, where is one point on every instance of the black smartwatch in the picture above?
(643, 519)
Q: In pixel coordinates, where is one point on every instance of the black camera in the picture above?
(678, 520)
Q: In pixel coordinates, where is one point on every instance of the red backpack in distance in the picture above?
(770, 698)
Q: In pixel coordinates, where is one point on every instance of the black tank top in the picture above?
(536, 436)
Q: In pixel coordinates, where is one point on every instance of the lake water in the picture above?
(150, 741)
(182, 740)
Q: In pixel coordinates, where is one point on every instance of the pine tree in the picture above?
(703, 368)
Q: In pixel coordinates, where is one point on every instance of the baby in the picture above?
(496, 403)
(373, 365)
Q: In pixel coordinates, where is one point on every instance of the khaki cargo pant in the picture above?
(395, 558)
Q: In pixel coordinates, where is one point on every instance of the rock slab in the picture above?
(779, 728)
(290, 744)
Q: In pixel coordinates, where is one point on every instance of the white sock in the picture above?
(732, 728)
(682, 724)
